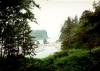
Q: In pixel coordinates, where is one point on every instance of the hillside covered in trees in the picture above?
(39, 34)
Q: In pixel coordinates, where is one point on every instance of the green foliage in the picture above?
(68, 31)
(71, 60)
(14, 28)
(77, 60)
(15, 33)
(58, 55)
(87, 36)
(86, 33)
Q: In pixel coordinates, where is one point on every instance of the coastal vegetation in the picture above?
(80, 40)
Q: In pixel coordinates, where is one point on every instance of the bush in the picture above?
(66, 60)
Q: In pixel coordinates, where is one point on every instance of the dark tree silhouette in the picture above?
(14, 28)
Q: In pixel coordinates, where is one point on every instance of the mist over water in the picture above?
(44, 50)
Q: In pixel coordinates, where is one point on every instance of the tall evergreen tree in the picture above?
(89, 33)
(68, 31)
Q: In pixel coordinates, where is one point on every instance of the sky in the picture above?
(53, 13)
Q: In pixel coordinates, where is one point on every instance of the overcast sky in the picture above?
(53, 13)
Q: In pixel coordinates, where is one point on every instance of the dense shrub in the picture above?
(70, 60)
